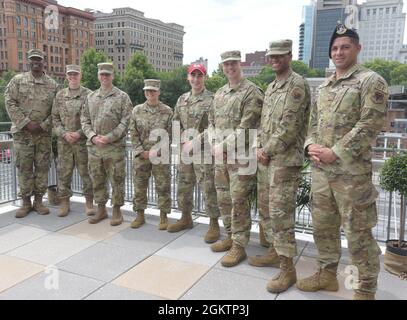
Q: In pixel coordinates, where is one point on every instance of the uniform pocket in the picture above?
(285, 174)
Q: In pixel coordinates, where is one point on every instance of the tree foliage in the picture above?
(399, 75)
(393, 175)
(137, 70)
(173, 84)
(383, 67)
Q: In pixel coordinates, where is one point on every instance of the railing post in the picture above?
(389, 215)
(402, 219)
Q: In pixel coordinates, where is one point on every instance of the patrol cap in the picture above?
(280, 47)
(35, 53)
(234, 55)
(197, 66)
(105, 67)
(152, 84)
(342, 31)
(73, 68)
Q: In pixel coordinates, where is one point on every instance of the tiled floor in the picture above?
(47, 257)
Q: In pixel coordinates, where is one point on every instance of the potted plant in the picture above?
(393, 178)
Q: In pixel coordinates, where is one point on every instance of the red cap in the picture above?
(197, 66)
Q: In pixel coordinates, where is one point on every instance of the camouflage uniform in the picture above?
(30, 99)
(237, 107)
(284, 123)
(107, 114)
(66, 113)
(192, 112)
(347, 117)
(144, 119)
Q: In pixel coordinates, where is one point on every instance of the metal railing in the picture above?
(388, 204)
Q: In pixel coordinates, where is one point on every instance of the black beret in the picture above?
(342, 31)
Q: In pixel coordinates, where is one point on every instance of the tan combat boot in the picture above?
(322, 280)
(263, 240)
(117, 217)
(89, 205)
(223, 245)
(100, 215)
(213, 233)
(139, 221)
(361, 295)
(235, 255)
(163, 225)
(184, 223)
(63, 207)
(25, 209)
(38, 205)
(285, 279)
(270, 259)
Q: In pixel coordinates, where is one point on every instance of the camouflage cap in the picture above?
(280, 47)
(234, 55)
(35, 53)
(152, 84)
(73, 68)
(105, 67)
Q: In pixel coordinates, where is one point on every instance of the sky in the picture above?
(215, 26)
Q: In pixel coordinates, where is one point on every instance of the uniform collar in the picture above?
(199, 97)
(110, 93)
(68, 93)
(347, 75)
(278, 84)
(230, 88)
(40, 80)
(152, 109)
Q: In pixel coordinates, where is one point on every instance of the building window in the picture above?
(18, 20)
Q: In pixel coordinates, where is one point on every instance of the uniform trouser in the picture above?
(233, 193)
(105, 164)
(69, 156)
(204, 174)
(276, 198)
(349, 201)
(32, 154)
(142, 169)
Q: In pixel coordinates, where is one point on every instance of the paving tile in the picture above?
(51, 249)
(147, 237)
(103, 261)
(306, 267)
(223, 285)
(163, 277)
(52, 285)
(7, 218)
(51, 221)
(95, 232)
(191, 247)
(390, 287)
(16, 235)
(113, 292)
(14, 270)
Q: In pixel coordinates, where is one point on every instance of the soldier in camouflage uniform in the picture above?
(72, 151)
(284, 123)
(28, 100)
(192, 113)
(346, 119)
(235, 110)
(147, 119)
(105, 120)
